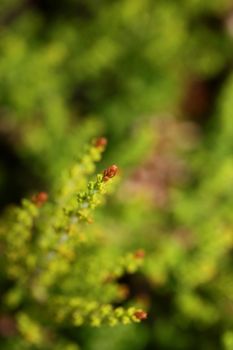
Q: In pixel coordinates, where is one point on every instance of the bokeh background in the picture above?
(155, 78)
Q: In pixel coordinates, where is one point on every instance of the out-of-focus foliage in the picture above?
(115, 62)
(71, 70)
(189, 244)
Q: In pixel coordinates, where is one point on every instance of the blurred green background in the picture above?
(154, 77)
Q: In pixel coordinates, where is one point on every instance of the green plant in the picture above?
(56, 269)
(74, 69)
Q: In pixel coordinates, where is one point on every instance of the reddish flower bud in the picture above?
(110, 172)
(140, 315)
(101, 142)
(40, 198)
(139, 254)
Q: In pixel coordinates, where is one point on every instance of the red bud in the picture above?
(110, 172)
(140, 315)
(101, 142)
(40, 198)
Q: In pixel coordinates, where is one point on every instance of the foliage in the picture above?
(64, 63)
(155, 77)
(187, 274)
(55, 270)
